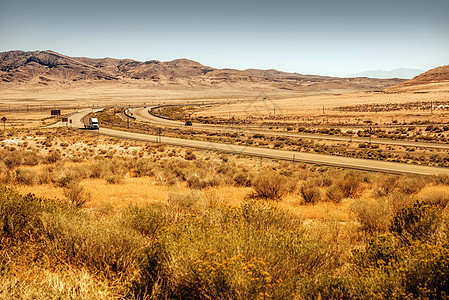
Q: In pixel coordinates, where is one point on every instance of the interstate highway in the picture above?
(328, 160)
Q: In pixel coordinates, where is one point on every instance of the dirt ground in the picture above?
(320, 108)
(26, 106)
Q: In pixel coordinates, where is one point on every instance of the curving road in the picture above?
(329, 160)
(142, 114)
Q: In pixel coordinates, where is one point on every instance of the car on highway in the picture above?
(188, 123)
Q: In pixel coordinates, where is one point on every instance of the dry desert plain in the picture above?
(115, 218)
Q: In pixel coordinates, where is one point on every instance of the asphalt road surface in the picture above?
(329, 160)
(142, 114)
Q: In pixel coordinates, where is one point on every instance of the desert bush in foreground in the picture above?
(418, 221)
(435, 196)
(334, 194)
(269, 184)
(36, 233)
(26, 176)
(76, 194)
(19, 216)
(191, 201)
(410, 263)
(350, 184)
(53, 157)
(373, 217)
(114, 179)
(243, 253)
(385, 184)
(310, 193)
(411, 184)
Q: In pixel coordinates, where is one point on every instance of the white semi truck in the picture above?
(91, 123)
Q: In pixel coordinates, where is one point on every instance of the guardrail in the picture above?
(128, 114)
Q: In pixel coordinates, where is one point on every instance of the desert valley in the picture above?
(208, 183)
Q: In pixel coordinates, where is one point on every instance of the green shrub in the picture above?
(425, 269)
(380, 251)
(417, 222)
(103, 247)
(387, 270)
(19, 216)
(326, 286)
(148, 221)
(37, 233)
(238, 253)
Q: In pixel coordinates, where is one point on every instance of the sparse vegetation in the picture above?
(310, 193)
(270, 184)
(208, 228)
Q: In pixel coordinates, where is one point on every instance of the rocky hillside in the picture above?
(48, 67)
(437, 75)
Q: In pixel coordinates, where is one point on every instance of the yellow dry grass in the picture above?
(133, 191)
(280, 102)
(312, 106)
(323, 211)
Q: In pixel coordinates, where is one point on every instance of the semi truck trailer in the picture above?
(91, 123)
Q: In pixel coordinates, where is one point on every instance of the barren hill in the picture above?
(437, 75)
(48, 67)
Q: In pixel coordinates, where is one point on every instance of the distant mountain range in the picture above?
(403, 73)
(51, 68)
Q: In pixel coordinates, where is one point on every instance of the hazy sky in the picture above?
(326, 37)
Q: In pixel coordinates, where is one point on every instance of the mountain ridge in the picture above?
(49, 67)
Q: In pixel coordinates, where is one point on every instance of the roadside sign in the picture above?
(55, 112)
(4, 123)
(4, 119)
